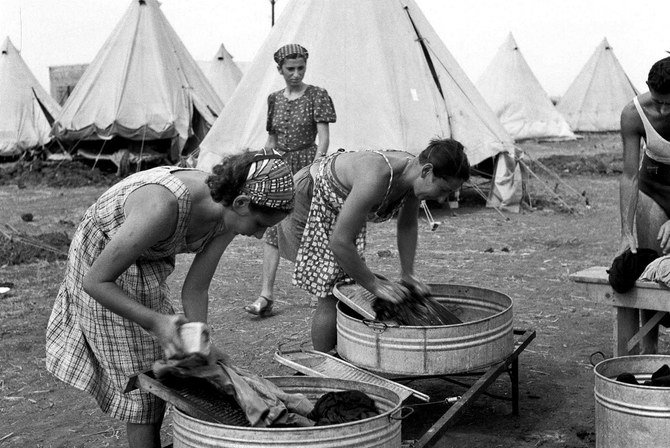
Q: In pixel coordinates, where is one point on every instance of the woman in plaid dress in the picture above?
(112, 317)
(335, 198)
(297, 115)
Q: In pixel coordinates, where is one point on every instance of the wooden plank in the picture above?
(595, 274)
(645, 329)
(647, 299)
(598, 275)
(626, 325)
(656, 298)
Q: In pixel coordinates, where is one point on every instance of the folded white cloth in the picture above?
(658, 271)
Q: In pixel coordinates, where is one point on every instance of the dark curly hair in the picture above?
(229, 176)
(448, 158)
(659, 77)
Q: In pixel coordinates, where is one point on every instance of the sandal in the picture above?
(258, 309)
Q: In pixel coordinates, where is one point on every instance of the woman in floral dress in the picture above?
(297, 115)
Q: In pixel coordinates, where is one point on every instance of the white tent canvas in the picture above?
(223, 73)
(142, 85)
(24, 105)
(516, 96)
(594, 100)
(393, 82)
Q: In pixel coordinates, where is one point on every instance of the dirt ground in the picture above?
(527, 256)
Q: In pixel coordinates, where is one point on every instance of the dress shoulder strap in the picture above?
(388, 188)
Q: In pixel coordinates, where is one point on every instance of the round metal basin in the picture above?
(630, 416)
(484, 338)
(381, 431)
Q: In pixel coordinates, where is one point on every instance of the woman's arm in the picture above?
(323, 135)
(151, 216)
(194, 293)
(407, 235)
(628, 185)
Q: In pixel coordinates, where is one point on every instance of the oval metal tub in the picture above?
(382, 431)
(484, 338)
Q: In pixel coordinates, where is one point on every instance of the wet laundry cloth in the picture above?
(660, 378)
(627, 268)
(415, 310)
(343, 407)
(263, 403)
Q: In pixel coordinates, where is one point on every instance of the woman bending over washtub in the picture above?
(337, 196)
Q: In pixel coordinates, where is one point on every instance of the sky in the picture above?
(556, 37)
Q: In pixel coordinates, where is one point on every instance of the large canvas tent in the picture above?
(26, 109)
(223, 73)
(143, 85)
(516, 96)
(594, 100)
(393, 82)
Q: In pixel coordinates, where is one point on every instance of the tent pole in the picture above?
(272, 6)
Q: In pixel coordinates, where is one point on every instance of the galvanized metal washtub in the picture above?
(630, 416)
(485, 337)
(382, 431)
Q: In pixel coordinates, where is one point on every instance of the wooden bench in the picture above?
(637, 312)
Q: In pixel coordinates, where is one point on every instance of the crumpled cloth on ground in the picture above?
(660, 378)
(627, 268)
(343, 407)
(263, 403)
(416, 310)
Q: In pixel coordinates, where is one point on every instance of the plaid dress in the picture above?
(316, 270)
(89, 346)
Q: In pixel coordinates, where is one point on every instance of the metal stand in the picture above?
(509, 365)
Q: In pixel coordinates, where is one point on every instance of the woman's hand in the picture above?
(629, 241)
(216, 355)
(390, 291)
(166, 330)
(417, 285)
(664, 237)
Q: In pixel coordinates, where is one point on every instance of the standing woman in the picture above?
(297, 115)
(113, 317)
(645, 187)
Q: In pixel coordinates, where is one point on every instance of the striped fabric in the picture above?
(270, 183)
(92, 348)
(288, 50)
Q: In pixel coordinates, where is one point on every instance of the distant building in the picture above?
(63, 79)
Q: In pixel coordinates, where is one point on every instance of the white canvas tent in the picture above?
(516, 96)
(142, 85)
(393, 82)
(594, 100)
(26, 109)
(223, 73)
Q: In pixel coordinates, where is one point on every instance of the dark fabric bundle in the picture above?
(627, 268)
(416, 310)
(660, 378)
(342, 407)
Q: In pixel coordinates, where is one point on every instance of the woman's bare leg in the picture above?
(270, 265)
(649, 217)
(324, 325)
(144, 435)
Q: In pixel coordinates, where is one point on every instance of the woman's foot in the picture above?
(262, 307)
